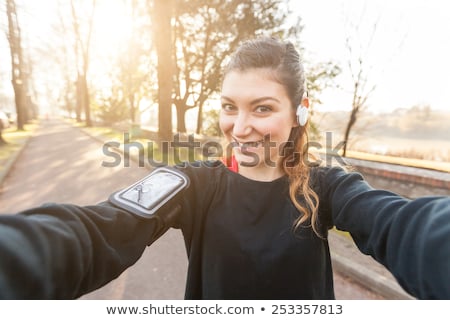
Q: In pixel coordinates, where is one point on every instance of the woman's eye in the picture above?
(262, 109)
(228, 107)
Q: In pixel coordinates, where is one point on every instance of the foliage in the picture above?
(319, 77)
(110, 108)
(130, 82)
(211, 123)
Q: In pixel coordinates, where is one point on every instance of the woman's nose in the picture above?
(242, 126)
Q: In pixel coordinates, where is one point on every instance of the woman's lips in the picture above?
(250, 144)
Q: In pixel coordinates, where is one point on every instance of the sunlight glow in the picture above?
(112, 31)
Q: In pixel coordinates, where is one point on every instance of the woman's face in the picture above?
(256, 116)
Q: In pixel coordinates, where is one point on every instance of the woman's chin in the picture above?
(253, 158)
(248, 158)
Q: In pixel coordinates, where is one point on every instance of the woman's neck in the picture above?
(261, 173)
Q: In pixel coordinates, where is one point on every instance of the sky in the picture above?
(408, 57)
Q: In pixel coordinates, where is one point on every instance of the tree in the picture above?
(162, 16)
(19, 78)
(360, 69)
(360, 95)
(134, 62)
(4, 100)
(2, 140)
(111, 106)
(65, 54)
(206, 33)
(83, 33)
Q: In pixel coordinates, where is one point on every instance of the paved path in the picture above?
(63, 164)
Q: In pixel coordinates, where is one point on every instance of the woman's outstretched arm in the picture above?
(64, 251)
(410, 237)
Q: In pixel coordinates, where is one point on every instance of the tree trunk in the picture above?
(163, 43)
(86, 102)
(132, 108)
(18, 98)
(350, 124)
(200, 115)
(181, 119)
(82, 58)
(17, 66)
(2, 141)
(79, 100)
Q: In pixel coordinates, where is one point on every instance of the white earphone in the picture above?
(302, 110)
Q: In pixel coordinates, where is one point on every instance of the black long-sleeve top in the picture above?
(239, 237)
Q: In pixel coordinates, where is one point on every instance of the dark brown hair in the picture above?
(283, 60)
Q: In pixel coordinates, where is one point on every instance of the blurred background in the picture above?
(378, 71)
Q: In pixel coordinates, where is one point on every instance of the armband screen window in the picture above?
(146, 196)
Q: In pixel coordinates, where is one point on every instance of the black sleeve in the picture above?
(410, 237)
(64, 251)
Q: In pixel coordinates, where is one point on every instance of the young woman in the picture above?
(258, 231)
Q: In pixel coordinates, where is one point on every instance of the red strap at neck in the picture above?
(231, 163)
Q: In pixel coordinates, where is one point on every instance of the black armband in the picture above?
(153, 194)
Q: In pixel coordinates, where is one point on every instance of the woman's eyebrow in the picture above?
(255, 101)
(259, 100)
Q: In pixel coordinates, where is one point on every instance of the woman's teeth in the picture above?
(250, 144)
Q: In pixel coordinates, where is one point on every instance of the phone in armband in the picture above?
(147, 196)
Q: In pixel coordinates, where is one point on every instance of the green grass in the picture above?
(105, 133)
(15, 140)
